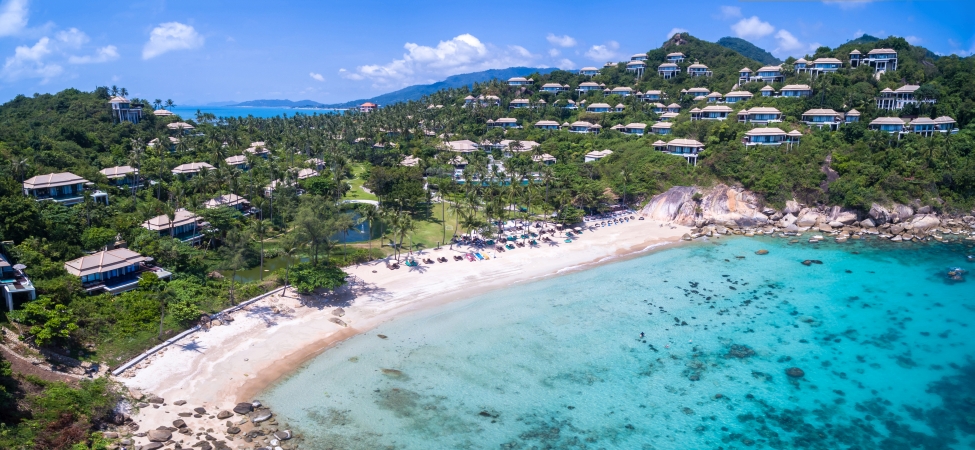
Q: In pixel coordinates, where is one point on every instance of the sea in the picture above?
(189, 112)
(708, 345)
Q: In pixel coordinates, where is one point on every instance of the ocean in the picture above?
(869, 346)
(189, 112)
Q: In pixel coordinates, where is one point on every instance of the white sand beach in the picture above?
(233, 363)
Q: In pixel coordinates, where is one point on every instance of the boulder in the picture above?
(791, 207)
(243, 408)
(224, 414)
(159, 435)
(901, 213)
(262, 416)
(283, 435)
(795, 372)
(825, 227)
(792, 228)
(179, 402)
(110, 435)
(200, 410)
(867, 223)
(845, 217)
(896, 229)
(808, 219)
(925, 210)
(135, 393)
(925, 222)
(179, 423)
(879, 214)
(152, 446)
(787, 220)
(338, 312)
(233, 430)
(156, 400)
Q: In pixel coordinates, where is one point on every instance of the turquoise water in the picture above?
(881, 334)
(189, 112)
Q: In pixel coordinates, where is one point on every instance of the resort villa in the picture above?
(368, 107)
(897, 99)
(124, 111)
(888, 124)
(121, 176)
(768, 74)
(504, 122)
(698, 70)
(519, 103)
(668, 70)
(795, 90)
(184, 226)
(304, 174)
(697, 93)
(547, 125)
(584, 127)
(258, 149)
(825, 65)
(636, 129)
(737, 96)
(14, 283)
(768, 91)
(231, 200)
(744, 75)
(764, 136)
(661, 128)
(112, 271)
(603, 108)
(852, 116)
(688, 148)
(760, 115)
(653, 96)
(714, 112)
(639, 57)
(410, 161)
(637, 67)
(714, 97)
(189, 170)
(923, 126)
(668, 116)
(823, 118)
(238, 161)
(180, 127)
(544, 158)
(520, 81)
(676, 57)
(589, 71)
(554, 88)
(597, 155)
(65, 188)
(881, 59)
(463, 146)
(622, 91)
(589, 86)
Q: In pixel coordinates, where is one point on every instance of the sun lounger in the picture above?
(478, 255)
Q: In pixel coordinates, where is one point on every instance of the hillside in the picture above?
(456, 81)
(749, 50)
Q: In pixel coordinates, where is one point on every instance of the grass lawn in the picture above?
(356, 192)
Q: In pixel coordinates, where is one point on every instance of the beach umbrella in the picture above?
(578, 229)
(19, 267)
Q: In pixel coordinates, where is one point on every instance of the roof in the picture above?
(768, 88)
(855, 52)
(887, 121)
(162, 113)
(685, 143)
(801, 61)
(517, 79)
(118, 171)
(772, 131)
(518, 146)
(639, 55)
(653, 92)
(506, 120)
(641, 126)
(667, 66)
(543, 157)
(161, 222)
(922, 121)
(179, 126)
(102, 262)
(820, 112)
(907, 88)
(589, 69)
(622, 89)
(697, 66)
(770, 68)
(520, 100)
(457, 161)
(580, 123)
(794, 133)
(599, 153)
(762, 110)
(717, 108)
(880, 51)
(662, 125)
(53, 180)
(745, 70)
(589, 84)
(236, 160)
(462, 146)
(715, 95)
(191, 167)
(697, 90)
(368, 105)
(307, 173)
(944, 119)
(669, 115)
(542, 123)
(636, 63)
(659, 142)
(118, 99)
(552, 85)
(739, 94)
(410, 161)
(673, 105)
(599, 105)
(225, 200)
(675, 54)
(796, 87)
(853, 112)
(827, 61)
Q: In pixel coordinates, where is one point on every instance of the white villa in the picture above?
(823, 118)
(190, 169)
(589, 71)
(520, 81)
(760, 115)
(688, 148)
(637, 67)
(713, 112)
(584, 127)
(547, 125)
(65, 188)
(636, 129)
(596, 155)
(795, 90)
(675, 57)
(125, 111)
(897, 99)
(668, 70)
(881, 59)
(661, 128)
(555, 88)
(698, 70)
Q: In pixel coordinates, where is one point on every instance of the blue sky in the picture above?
(330, 51)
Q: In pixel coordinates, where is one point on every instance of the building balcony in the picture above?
(124, 283)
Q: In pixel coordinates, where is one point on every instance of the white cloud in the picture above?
(104, 54)
(789, 45)
(350, 75)
(914, 40)
(316, 76)
(171, 36)
(13, 17)
(461, 54)
(553, 52)
(565, 64)
(28, 62)
(603, 52)
(730, 12)
(674, 31)
(72, 38)
(848, 4)
(561, 41)
(752, 28)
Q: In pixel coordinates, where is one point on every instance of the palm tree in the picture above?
(369, 214)
(290, 244)
(169, 104)
(259, 228)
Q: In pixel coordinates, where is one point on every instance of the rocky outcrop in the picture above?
(728, 210)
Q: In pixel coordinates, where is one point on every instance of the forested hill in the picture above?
(455, 81)
(749, 50)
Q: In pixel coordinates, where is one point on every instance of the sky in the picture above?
(197, 52)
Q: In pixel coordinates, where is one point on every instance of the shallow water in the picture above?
(882, 336)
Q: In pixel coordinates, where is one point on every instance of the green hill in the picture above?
(749, 50)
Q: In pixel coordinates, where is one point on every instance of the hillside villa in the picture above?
(184, 226)
(65, 188)
(121, 176)
(596, 155)
(520, 81)
(230, 200)
(189, 170)
(902, 96)
(668, 70)
(15, 284)
(713, 112)
(760, 115)
(125, 111)
(112, 271)
(698, 70)
(688, 148)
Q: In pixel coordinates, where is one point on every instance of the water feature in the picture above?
(869, 349)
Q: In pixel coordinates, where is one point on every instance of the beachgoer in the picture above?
(641, 334)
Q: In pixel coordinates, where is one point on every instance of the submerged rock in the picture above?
(740, 352)
(762, 252)
(795, 372)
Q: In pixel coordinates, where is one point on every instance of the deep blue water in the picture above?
(189, 112)
(882, 336)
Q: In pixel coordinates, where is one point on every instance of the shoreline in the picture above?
(274, 337)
